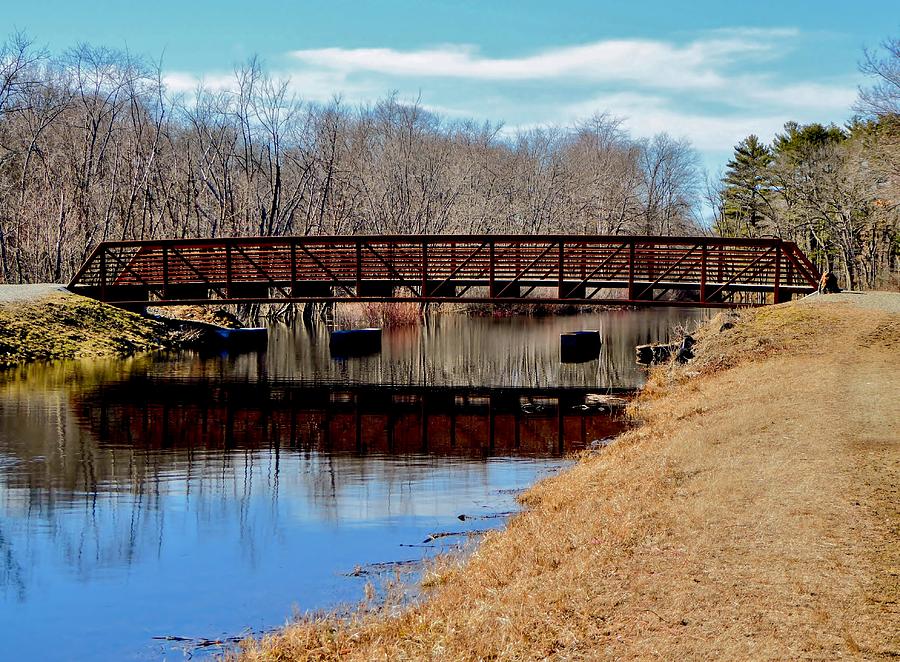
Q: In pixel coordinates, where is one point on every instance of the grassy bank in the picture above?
(754, 514)
(67, 326)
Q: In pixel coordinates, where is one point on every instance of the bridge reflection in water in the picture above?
(158, 413)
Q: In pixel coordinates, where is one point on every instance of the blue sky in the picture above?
(709, 71)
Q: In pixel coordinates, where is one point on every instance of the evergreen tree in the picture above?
(799, 140)
(748, 186)
(805, 158)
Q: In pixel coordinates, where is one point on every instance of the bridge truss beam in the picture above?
(573, 269)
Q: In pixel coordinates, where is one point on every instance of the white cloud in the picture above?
(756, 33)
(713, 68)
(706, 132)
(643, 62)
(645, 115)
(308, 85)
(180, 82)
(714, 90)
(839, 97)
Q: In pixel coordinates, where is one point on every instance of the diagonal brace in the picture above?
(525, 270)
(739, 274)
(328, 271)
(392, 269)
(668, 271)
(197, 272)
(597, 270)
(262, 272)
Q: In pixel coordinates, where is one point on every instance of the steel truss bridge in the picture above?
(562, 269)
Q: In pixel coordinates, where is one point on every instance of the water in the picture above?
(209, 496)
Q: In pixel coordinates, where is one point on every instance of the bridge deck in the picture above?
(483, 268)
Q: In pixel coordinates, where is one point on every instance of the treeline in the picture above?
(834, 190)
(93, 148)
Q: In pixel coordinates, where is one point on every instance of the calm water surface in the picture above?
(206, 497)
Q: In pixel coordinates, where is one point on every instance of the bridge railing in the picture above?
(576, 268)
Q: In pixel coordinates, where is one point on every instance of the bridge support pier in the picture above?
(708, 294)
(120, 293)
(187, 291)
(781, 296)
(249, 290)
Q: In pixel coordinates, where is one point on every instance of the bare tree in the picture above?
(670, 187)
(92, 147)
(883, 97)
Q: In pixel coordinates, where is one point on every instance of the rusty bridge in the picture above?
(575, 269)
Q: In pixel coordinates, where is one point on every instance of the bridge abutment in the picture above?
(711, 294)
(782, 296)
(186, 291)
(249, 291)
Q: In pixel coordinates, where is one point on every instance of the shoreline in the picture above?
(53, 324)
(753, 513)
(48, 323)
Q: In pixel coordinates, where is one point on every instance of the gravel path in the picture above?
(889, 302)
(10, 293)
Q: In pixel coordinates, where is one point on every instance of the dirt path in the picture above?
(753, 516)
(888, 302)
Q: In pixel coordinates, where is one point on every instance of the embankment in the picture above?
(753, 514)
(48, 324)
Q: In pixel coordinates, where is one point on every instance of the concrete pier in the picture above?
(354, 342)
(579, 346)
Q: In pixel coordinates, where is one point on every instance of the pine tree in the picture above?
(799, 140)
(748, 186)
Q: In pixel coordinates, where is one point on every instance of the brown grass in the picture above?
(378, 314)
(218, 316)
(754, 515)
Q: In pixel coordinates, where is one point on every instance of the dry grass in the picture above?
(217, 316)
(517, 309)
(378, 314)
(66, 326)
(754, 514)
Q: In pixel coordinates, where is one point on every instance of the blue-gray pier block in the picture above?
(248, 339)
(354, 342)
(579, 346)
